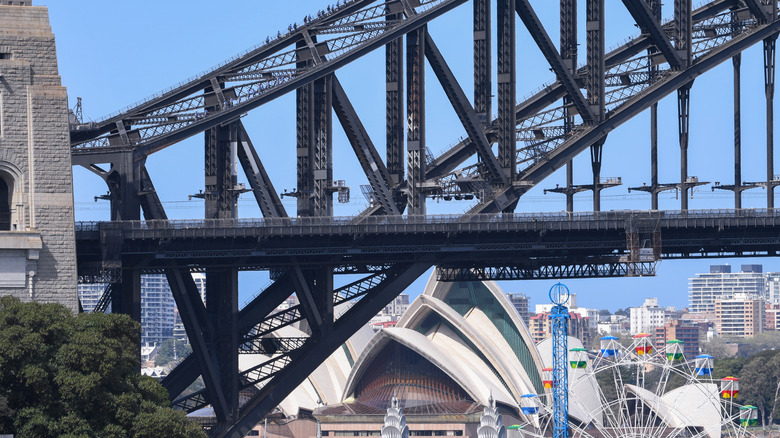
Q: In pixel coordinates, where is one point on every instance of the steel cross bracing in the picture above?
(534, 138)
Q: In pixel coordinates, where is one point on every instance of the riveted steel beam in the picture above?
(646, 20)
(468, 117)
(564, 75)
(367, 155)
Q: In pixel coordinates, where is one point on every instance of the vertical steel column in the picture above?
(655, 6)
(568, 18)
(682, 27)
(304, 115)
(124, 183)
(394, 60)
(736, 61)
(415, 119)
(222, 283)
(654, 156)
(323, 148)
(595, 84)
(222, 309)
(126, 299)
(769, 89)
(683, 123)
(220, 171)
(507, 77)
(482, 61)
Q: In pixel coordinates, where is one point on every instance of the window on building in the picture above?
(5, 205)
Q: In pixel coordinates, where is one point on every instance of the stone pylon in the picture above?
(37, 238)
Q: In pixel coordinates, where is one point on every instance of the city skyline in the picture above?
(176, 45)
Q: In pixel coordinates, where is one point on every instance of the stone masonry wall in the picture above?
(29, 75)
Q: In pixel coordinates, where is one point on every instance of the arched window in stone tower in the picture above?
(11, 197)
(6, 198)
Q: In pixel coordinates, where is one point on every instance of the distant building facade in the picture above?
(590, 315)
(159, 317)
(741, 316)
(721, 283)
(772, 317)
(577, 327)
(521, 303)
(689, 333)
(646, 318)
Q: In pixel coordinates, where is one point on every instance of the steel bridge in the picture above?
(393, 241)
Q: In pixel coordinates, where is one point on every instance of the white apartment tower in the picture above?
(722, 284)
(646, 318)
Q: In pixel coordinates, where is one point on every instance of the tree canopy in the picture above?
(165, 353)
(76, 376)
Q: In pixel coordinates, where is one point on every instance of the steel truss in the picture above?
(533, 139)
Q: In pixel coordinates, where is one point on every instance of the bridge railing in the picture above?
(436, 223)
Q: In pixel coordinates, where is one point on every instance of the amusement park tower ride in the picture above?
(559, 295)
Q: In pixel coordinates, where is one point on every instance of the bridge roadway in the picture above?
(363, 244)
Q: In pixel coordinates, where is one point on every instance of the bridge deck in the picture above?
(500, 239)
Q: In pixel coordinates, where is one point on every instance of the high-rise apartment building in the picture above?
(158, 316)
(741, 316)
(646, 318)
(521, 304)
(721, 283)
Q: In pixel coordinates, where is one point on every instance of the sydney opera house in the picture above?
(457, 345)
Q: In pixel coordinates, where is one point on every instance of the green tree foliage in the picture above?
(758, 382)
(165, 353)
(66, 375)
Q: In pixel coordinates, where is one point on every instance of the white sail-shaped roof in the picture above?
(471, 332)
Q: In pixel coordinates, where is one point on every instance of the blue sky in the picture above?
(113, 54)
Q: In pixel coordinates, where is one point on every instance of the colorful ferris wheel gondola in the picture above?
(674, 350)
(748, 416)
(704, 364)
(609, 346)
(547, 377)
(644, 344)
(578, 358)
(529, 404)
(729, 387)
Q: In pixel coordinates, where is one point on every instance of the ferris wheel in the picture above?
(641, 391)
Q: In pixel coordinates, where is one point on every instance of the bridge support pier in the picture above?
(507, 83)
(568, 18)
(595, 85)
(736, 61)
(222, 309)
(683, 124)
(769, 89)
(415, 110)
(394, 116)
(482, 62)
